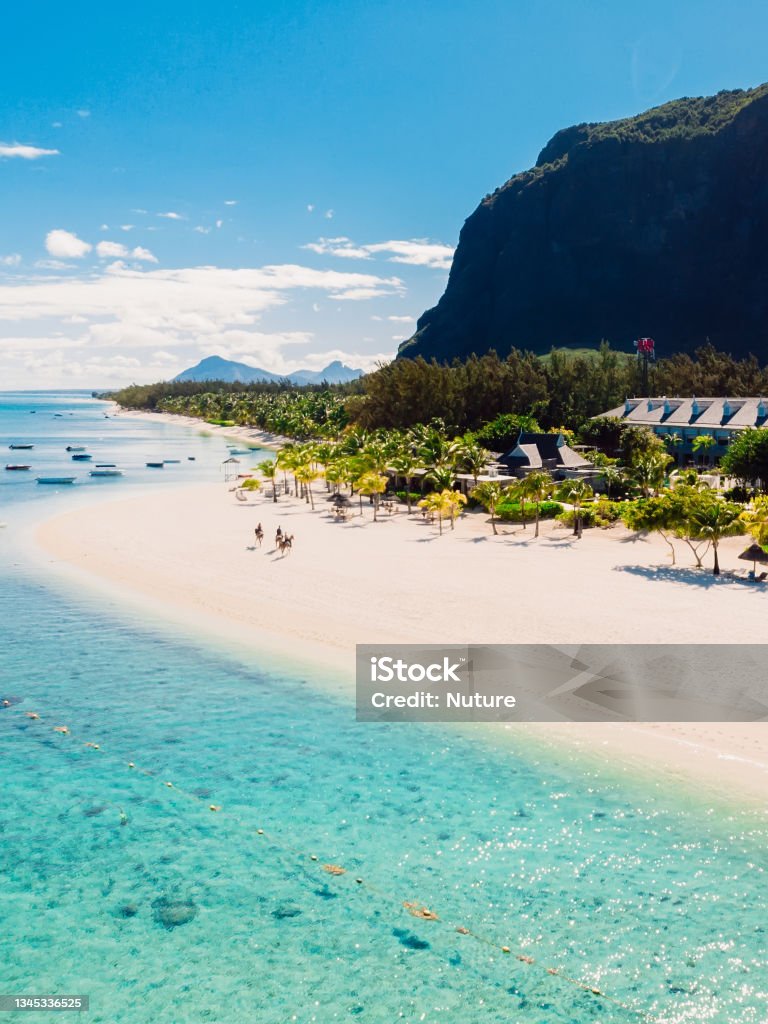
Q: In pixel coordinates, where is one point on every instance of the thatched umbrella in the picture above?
(754, 554)
(341, 500)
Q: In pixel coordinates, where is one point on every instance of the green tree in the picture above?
(576, 493)
(537, 487)
(713, 519)
(490, 494)
(268, 469)
(373, 485)
(747, 457)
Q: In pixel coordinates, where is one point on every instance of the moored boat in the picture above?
(155, 465)
(56, 479)
(75, 448)
(15, 466)
(105, 465)
(106, 472)
(21, 447)
(171, 462)
(82, 458)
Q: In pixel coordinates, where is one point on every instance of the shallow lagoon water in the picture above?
(133, 892)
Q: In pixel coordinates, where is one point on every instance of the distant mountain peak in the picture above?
(228, 370)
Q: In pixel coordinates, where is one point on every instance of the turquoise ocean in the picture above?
(116, 885)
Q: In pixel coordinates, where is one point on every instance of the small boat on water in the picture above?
(74, 448)
(15, 466)
(239, 451)
(171, 462)
(56, 479)
(155, 465)
(105, 465)
(21, 447)
(82, 458)
(106, 472)
(190, 458)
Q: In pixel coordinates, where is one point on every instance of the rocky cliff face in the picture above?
(656, 225)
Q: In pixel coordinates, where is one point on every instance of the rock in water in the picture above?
(173, 913)
(653, 225)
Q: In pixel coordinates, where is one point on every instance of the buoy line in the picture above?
(413, 908)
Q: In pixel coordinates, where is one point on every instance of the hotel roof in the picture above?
(725, 413)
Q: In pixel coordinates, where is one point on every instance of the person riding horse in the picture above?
(259, 532)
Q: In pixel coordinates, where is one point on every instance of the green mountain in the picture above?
(655, 225)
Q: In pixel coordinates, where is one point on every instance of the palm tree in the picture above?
(576, 493)
(441, 475)
(268, 469)
(404, 464)
(537, 486)
(712, 519)
(305, 475)
(702, 442)
(473, 458)
(756, 520)
(371, 484)
(434, 503)
(649, 471)
(490, 494)
(453, 502)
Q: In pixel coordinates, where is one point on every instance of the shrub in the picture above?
(602, 513)
(403, 496)
(510, 512)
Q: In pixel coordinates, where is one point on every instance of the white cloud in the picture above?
(171, 215)
(77, 326)
(310, 207)
(109, 250)
(140, 253)
(230, 202)
(219, 223)
(66, 245)
(22, 151)
(415, 251)
(402, 319)
(329, 214)
(343, 247)
(126, 227)
(83, 113)
(53, 265)
(11, 260)
(201, 230)
(56, 124)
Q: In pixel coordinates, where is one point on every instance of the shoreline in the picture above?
(246, 435)
(187, 558)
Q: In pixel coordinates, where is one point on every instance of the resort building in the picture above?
(545, 452)
(689, 418)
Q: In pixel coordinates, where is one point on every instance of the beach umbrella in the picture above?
(754, 554)
(340, 499)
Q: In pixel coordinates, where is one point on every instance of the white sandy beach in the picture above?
(188, 555)
(245, 435)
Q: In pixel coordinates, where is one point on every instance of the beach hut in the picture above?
(754, 554)
(230, 467)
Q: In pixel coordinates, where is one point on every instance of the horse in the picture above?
(285, 544)
(259, 534)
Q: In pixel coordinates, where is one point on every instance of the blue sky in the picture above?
(284, 182)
